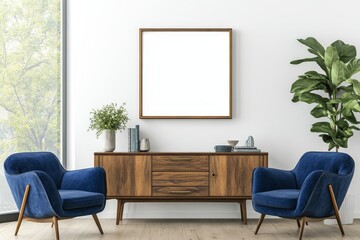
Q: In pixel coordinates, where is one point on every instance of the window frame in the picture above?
(64, 85)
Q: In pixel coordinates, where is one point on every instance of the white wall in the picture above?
(103, 68)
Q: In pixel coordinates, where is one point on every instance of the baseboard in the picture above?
(134, 211)
(9, 217)
(177, 215)
(180, 211)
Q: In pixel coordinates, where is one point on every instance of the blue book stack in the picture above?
(246, 149)
(134, 139)
(137, 138)
(129, 139)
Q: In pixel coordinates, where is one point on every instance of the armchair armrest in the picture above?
(89, 179)
(43, 199)
(314, 197)
(268, 179)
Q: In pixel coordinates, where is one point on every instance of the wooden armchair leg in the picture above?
(259, 223)
(22, 209)
(98, 223)
(298, 223)
(336, 209)
(303, 222)
(56, 225)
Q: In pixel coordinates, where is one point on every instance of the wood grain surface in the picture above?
(183, 163)
(231, 175)
(195, 179)
(180, 191)
(127, 175)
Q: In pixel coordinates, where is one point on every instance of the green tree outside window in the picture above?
(30, 80)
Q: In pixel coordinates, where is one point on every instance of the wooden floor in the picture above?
(199, 229)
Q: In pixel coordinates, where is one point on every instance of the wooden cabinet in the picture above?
(126, 175)
(144, 177)
(231, 175)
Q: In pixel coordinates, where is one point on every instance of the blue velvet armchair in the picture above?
(45, 192)
(312, 191)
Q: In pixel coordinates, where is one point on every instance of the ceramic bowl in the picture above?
(232, 142)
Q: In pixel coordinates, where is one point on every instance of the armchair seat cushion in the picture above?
(75, 199)
(282, 198)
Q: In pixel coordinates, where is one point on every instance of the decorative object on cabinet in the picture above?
(246, 149)
(312, 191)
(144, 145)
(45, 192)
(163, 177)
(232, 142)
(109, 140)
(335, 93)
(185, 73)
(107, 120)
(250, 143)
(249, 146)
(134, 139)
(223, 148)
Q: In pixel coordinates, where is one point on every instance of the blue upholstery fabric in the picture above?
(90, 179)
(310, 178)
(73, 199)
(41, 161)
(47, 178)
(283, 198)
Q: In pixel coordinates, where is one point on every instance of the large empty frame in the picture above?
(185, 73)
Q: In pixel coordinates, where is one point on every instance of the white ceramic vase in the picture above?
(109, 140)
(144, 145)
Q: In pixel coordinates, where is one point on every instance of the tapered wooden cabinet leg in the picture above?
(56, 225)
(336, 209)
(241, 211)
(22, 209)
(259, 223)
(298, 223)
(244, 213)
(96, 219)
(303, 222)
(120, 209)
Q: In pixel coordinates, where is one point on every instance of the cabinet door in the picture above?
(127, 175)
(231, 175)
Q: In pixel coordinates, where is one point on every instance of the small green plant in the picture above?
(335, 93)
(109, 117)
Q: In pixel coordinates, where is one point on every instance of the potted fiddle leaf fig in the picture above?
(107, 120)
(334, 91)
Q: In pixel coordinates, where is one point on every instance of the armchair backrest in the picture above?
(29, 161)
(335, 162)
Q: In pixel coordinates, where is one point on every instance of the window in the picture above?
(31, 81)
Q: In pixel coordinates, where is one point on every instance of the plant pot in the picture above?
(346, 212)
(109, 140)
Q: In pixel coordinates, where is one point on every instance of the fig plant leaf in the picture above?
(335, 92)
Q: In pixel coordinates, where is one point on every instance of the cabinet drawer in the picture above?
(169, 179)
(180, 163)
(180, 191)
